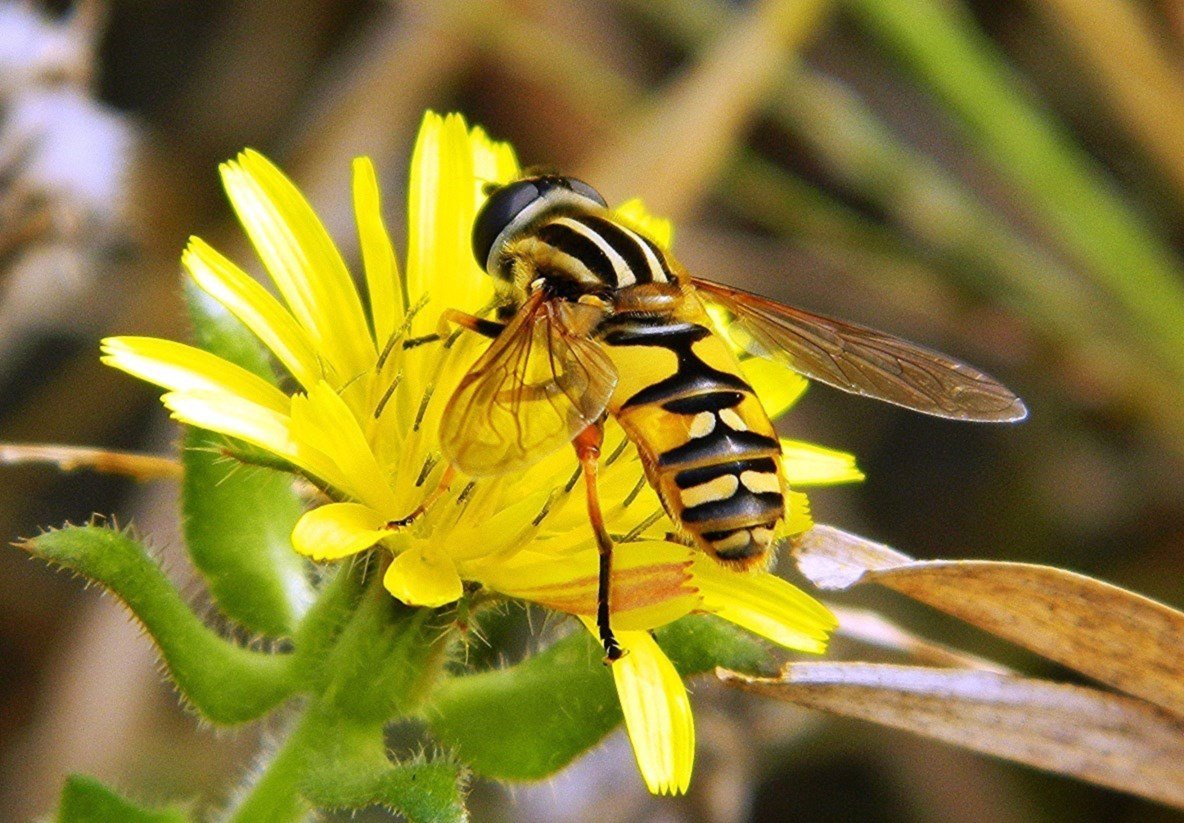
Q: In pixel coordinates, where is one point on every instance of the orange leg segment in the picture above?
(483, 327)
(434, 495)
(587, 444)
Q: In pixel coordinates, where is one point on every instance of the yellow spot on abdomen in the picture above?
(758, 482)
(721, 488)
(732, 420)
(702, 424)
(732, 542)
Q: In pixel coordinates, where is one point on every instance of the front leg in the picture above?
(483, 327)
(587, 445)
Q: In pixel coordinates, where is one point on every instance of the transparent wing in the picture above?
(861, 360)
(540, 383)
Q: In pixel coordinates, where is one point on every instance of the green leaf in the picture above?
(226, 683)
(86, 800)
(238, 520)
(423, 792)
(527, 721)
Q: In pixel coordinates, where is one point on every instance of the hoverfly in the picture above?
(594, 320)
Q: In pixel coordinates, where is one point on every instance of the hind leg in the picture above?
(587, 445)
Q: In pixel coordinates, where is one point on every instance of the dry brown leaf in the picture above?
(1115, 636)
(1096, 736)
(873, 629)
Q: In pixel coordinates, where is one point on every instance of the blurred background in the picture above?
(1000, 180)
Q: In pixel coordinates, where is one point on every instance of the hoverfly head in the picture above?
(513, 209)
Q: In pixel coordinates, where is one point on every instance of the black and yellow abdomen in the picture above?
(705, 440)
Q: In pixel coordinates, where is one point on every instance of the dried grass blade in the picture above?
(1102, 738)
(108, 461)
(674, 148)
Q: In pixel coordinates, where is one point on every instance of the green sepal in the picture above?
(333, 609)
(86, 800)
(351, 770)
(700, 642)
(385, 659)
(225, 682)
(527, 721)
(238, 519)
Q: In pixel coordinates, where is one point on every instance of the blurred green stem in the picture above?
(1066, 189)
(275, 795)
(1133, 68)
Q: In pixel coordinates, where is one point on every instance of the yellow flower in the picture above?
(364, 418)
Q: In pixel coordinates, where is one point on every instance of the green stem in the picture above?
(275, 795)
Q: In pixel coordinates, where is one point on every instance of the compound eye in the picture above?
(499, 211)
(584, 190)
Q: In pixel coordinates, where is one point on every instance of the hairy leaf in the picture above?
(86, 800)
(225, 682)
(352, 771)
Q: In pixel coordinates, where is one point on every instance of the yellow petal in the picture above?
(797, 518)
(765, 604)
(254, 306)
(634, 214)
(493, 162)
(440, 214)
(337, 530)
(657, 713)
(810, 465)
(323, 421)
(269, 430)
(231, 415)
(650, 581)
(421, 579)
(183, 368)
(507, 530)
(302, 260)
(777, 386)
(378, 255)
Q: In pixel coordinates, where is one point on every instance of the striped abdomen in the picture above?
(706, 441)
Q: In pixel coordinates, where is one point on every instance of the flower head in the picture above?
(371, 379)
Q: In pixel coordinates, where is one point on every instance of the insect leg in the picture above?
(587, 444)
(486, 328)
(435, 494)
